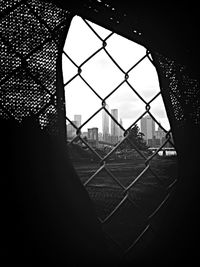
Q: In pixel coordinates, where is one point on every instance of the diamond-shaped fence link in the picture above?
(123, 194)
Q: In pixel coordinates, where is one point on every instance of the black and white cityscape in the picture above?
(91, 174)
(112, 133)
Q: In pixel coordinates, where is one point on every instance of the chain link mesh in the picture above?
(124, 207)
(29, 34)
(29, 37)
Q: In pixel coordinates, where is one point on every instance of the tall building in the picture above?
(71, 130)
(93, 136)
(161, 137)
(105, 125)
(77, 119)
(121, 132)
(147, 125)
(100, 137)
(114, 126)
(160, 134)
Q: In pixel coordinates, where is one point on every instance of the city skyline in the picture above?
(106, 119)
(146, 124)
(107, 123)
(109, 127)
(104, 76)
(112, 133)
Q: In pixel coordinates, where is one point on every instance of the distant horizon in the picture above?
(85, 128)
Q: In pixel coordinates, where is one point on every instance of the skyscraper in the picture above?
(160, 136)
(71, 130)
(121, 132)
(105, 125)
(147, 125)
(93, 136)
(114, 126)
(77, 119)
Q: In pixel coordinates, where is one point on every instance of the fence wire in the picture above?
(28, 54)
(126, 191)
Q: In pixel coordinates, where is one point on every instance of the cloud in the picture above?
(103, 75)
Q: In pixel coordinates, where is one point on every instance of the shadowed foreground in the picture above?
(46, 214)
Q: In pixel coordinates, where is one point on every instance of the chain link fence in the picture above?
(124, 209)
(29, 36)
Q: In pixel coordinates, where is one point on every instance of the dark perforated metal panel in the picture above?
(181, 90)
(29, 36)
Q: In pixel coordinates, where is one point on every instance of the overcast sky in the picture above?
(102, 74)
